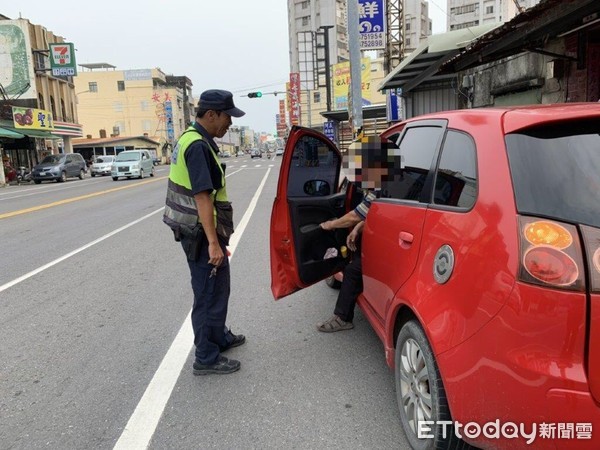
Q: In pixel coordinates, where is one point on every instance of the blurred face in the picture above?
(370, 161)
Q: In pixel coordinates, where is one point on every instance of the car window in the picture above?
(556, 171)
(315, 161)
(456, 177)
(51, 159)
(128, 156)
(68, 159)
(417, 149)
(104, 159)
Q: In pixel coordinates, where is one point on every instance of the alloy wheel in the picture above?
(415, 386)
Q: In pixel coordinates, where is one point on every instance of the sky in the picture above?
(237, 45)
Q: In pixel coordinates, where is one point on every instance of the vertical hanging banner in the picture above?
(169, 119)
(281, 122)
(294, 94)
(371, 24)
(62, 59)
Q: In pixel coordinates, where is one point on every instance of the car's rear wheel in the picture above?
(81, 174)
(420, 393)
(93, 174)
(152, 172)
(37, 181)
(333, 283)
(115, 178)
(141, 173)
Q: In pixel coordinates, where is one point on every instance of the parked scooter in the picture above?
(24, 175)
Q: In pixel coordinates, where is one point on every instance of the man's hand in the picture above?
(353, 236)
(215, 254)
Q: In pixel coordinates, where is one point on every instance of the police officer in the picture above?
(201, 217)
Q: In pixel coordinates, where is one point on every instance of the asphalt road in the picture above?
(96, 338)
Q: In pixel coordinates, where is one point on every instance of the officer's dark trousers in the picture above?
(211, 298)
(352, 286)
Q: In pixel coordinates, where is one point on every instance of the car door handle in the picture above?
(405, 239)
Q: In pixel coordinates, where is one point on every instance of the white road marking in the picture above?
(74, 252)
(143, 422)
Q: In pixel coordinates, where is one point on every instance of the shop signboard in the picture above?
(32, 119)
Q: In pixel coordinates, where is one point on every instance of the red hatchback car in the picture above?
(481, 269)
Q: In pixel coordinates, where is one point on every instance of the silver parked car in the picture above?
(132, 163)
(59, 167)
(102, 165)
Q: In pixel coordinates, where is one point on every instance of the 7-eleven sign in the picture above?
(62, 59)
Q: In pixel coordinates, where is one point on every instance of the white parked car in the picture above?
(102, 165)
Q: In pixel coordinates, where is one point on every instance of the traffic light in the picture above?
(254, 94)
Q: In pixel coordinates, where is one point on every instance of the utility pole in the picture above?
(355, 66)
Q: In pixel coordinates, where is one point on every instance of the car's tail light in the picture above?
(551, 254)
(591, 239)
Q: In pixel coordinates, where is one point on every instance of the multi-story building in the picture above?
(28, 85)
(305, 19)
(417, 24)
(138, 102)
(470, 13)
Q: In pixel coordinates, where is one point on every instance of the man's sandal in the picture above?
(334, 323)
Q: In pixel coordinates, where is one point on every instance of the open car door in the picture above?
(308, 193)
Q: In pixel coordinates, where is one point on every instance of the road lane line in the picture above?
(74, 252)
(47, 188)
(143, 422)
(76, 199)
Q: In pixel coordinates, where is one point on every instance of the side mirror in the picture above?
(317, 188)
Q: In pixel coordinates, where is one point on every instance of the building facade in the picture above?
(305, 19)
(417, 24)
(138, 102)
(470, 13)
(27, 86)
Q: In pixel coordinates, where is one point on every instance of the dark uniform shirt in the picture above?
(202, 166)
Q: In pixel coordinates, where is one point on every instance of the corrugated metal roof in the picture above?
(423, 63)
(110, 140)
(527, 30)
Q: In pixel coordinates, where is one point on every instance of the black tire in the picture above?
(423, 398)
(63, 177)
(115, 178)
(141, 174)
(37, 181)
(333, 283)
(152, 172)
(93, 174)
(81, 174)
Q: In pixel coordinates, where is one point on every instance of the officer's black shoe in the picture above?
(221, 367)
(238, 339)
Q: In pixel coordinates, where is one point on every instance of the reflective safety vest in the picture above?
(180, 209)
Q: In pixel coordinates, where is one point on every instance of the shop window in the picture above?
(93, 86)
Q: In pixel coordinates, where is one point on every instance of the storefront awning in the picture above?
(31, 133)
(5, 133)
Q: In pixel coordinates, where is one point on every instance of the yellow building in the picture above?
(139, 102)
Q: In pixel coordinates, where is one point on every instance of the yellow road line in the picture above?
(76, 199)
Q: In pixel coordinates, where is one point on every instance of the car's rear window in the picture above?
(556, 171)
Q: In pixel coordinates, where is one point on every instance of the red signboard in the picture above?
(294, 95)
